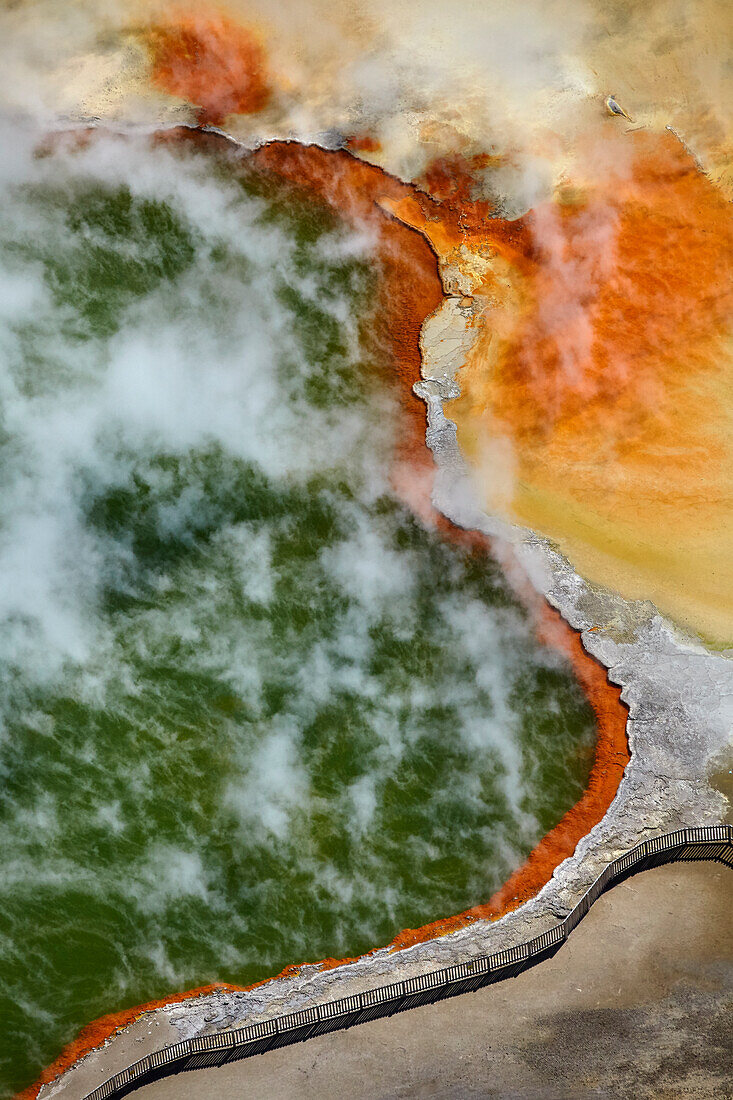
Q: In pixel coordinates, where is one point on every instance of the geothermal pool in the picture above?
(254, 711)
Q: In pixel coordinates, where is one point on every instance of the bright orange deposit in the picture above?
(596, 403)
(210, 60)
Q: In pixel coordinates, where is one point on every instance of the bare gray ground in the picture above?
(636, 1005)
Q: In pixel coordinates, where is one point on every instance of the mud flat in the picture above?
(677, 693)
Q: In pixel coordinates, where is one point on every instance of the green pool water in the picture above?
(251, 711)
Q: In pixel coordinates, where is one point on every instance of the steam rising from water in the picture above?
(520, 80)
(252, 711)
(138, 364)
(504, 106)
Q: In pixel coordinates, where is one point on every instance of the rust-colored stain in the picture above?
(363, 143)
(209, 59)
(410, 290)
(602, 364)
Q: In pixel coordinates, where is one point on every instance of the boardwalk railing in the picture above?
(710, 843)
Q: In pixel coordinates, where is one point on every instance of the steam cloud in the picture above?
(210, 717)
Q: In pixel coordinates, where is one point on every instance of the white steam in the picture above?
(166, 380)
(311, 724)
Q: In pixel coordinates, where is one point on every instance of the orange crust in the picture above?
(363, 143)
(410, 290)
(599, 372)
(210, 60)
